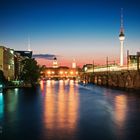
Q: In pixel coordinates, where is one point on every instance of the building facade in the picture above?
(19, 56)
(25, 54)
(134, 61)
(10, 62)
(61, 72)
(7, 62)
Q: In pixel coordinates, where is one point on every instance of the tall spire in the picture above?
(122, 26)
(29, 44)
(121, 17)
(73, 64)
(121, 38)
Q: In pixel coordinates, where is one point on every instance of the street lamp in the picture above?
(85, 69)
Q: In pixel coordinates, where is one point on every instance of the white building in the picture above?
(55, 63)
(74, 64)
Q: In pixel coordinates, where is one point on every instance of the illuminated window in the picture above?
(11, 51)
(61, 72)
(49, 72)
(9, 67)
(85, 68)
(71, 72)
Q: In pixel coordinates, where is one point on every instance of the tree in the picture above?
(2, 78)
(43, 69)
(31, 71)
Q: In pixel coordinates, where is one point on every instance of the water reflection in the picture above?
(120, 109)
(41, 85)
(64, 110)
(1, 105)
(60, 108)
(12, 98)
(120, 115)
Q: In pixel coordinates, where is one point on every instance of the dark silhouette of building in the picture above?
(27, 54)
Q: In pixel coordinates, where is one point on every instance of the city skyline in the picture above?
(84, 30)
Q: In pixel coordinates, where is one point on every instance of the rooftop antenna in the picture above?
(122, 26)
(121, 38)
(29, 44)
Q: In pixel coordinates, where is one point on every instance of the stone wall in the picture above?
(118, 79)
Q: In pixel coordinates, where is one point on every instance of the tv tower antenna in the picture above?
(122, 28)
(29, 44)
(121, 38)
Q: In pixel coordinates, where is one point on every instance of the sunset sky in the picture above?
(86, 30)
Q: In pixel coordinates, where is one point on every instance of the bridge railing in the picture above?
(112, 68)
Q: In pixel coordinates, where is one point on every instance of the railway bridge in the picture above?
(125, 79)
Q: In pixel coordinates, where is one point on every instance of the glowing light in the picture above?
(16, 90)
(120, 109)
(11, 51)
(1, 105)
(71, 82)
(61, 72)
(73, 65)
(61, 81)
(9, 67)
(66, 72)
(66, 106)
(48, 83)
(85, 68)
(41, 85)
(49, 72)
(53, 82)
(66, 82)
(112, 68)
(71, 72)
(53, 72)
(76, 72)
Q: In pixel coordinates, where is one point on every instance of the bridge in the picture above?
(114, 76)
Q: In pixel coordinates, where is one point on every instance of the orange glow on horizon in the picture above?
(68, 63)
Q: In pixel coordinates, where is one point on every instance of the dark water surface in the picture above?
(64, 110)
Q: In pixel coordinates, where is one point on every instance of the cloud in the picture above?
(45, 56)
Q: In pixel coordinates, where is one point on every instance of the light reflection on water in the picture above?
(60, 108)
(1, 105)
(120, 109)
(66, 110)
(12, 100)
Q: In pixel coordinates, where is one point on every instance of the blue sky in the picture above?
(80, 29)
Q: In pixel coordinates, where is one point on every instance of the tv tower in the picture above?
(121, 38)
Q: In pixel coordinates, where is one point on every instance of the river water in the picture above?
(66, 110)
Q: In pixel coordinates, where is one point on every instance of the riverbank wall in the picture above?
(129, 80)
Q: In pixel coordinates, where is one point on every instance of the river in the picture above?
(66, 110)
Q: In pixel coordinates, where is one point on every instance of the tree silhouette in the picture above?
(2, 78)
(31, 71)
